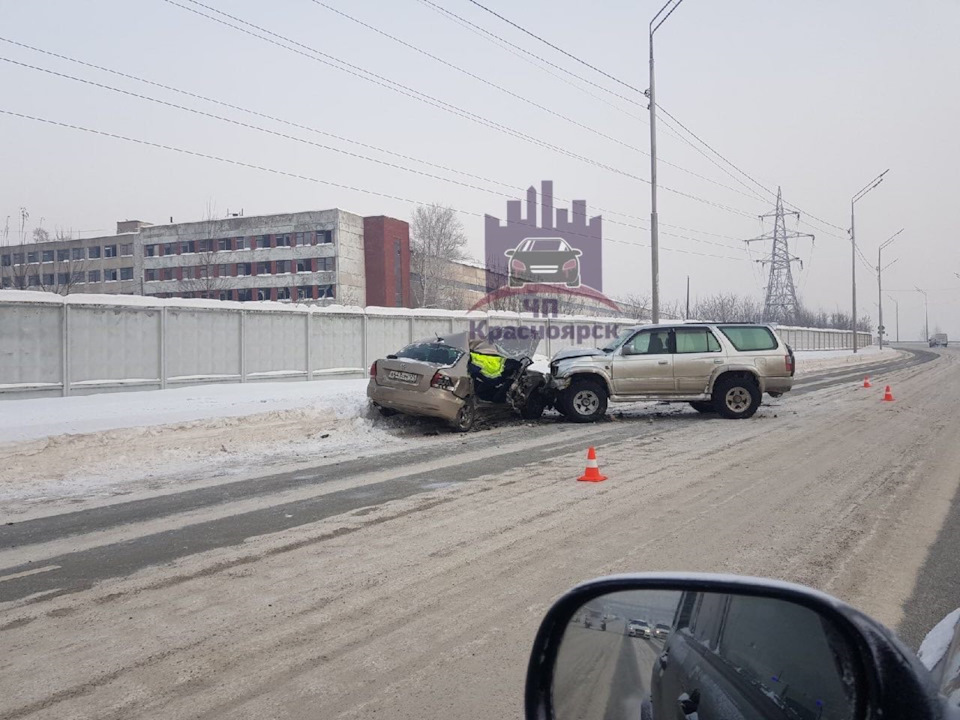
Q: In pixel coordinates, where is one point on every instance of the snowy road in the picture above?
(411, 581)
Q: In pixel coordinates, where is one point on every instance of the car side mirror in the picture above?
(720, 646)
(628, 349)
(508, 253)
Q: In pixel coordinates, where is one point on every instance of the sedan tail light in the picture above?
(373, 369)
(788, 359)
(444, 382)
(570, 265)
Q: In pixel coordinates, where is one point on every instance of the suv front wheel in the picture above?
(736, 398)
(584, 401)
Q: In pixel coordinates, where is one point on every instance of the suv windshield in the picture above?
(620, 340)
(433, 353)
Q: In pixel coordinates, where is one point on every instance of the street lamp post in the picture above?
(853, 248)
(880, 270)
(926, 315)
(659, 19)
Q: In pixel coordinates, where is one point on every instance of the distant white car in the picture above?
(639, 628)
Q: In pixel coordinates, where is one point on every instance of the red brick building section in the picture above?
(386, 249)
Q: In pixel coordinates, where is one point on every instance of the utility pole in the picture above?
(853, 249)
(881, 330)
(926, 315)
(687, 316)
(897, 303)
(780, 302)
(651, 93)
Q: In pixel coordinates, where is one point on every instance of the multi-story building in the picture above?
(90, 265)
(322, 256)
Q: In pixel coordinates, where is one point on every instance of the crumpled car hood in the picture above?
(579, 352)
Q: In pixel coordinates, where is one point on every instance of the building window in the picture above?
(6, 282)
(283, 241)
(76, 254)
(126, 273)
(126, 250)
(150, 250)
(324, 237)
(223, 294)
(200, 272)
(188, 247)
(48, 256)
(298, 239)
(303, 266)
(283, 266)
(18, 258)
(244, 269)
(263, 241)
(109, 251)
(170, 248)
(167, 274)
(93, 276)
(283, 293)
(326, 291)
(33, 280)
(5, 260)
(109, 275)
(63, 279)
(224, 244)
(304, 292)
(263, 294)
(63, 255)
(263, 268)
(149, 275)
(223, 270)
(33, 257)
(326, 264)
(244, 295)
(93, 252)
(48, 279)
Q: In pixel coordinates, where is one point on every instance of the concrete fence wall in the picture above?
(82, 344)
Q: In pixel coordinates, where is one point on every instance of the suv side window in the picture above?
(746, 338)
(649, 342)
(696, 340)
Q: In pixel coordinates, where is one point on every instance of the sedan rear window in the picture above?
(434, 353)
(750, 337)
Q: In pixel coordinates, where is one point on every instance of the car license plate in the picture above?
(403, 377)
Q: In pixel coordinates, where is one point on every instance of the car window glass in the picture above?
(706, 628)
(785, 649)
(548, 245)
(695, 340)
(750, 337)
(650, 342)
(435, 353)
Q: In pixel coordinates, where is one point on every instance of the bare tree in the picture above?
(437, 240)
(57, 275)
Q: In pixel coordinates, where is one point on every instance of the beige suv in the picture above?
(716, 367)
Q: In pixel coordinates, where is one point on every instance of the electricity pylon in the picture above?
(780, 304)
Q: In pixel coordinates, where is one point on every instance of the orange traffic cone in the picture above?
(866, 382)
(592, 473)
(887, 395)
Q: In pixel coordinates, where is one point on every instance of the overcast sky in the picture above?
(817, 97)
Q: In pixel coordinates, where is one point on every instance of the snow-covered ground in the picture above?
(112, 444)
(809, 361)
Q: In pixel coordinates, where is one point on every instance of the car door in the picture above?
(644, 364)
(698, 352)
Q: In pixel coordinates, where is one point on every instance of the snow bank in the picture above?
(52, 449)
(809, 361)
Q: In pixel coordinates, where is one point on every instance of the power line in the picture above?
(522, 98)
(558, 49)
(660, 107)
(319, 145)
(376, 79)
(298, 176)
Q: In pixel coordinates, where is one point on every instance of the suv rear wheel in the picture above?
(736, 398)
(584, 401)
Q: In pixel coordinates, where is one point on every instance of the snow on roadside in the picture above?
(120, 443)
(809, 361)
